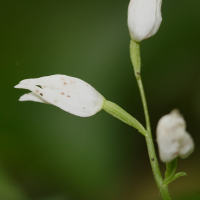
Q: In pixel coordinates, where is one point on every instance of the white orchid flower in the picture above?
(68, 93)
(172, 138)
(144, 18)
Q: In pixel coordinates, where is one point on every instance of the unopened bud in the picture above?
(172, 138)
(144, 18)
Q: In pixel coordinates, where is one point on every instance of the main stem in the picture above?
(150, 146)
(136, 61)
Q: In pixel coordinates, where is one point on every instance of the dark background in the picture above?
(48, 154)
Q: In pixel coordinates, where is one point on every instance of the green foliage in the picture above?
(122, 115)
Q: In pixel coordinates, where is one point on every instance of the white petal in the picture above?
(157, 21)
(141, 18)
(32, 97)
(187, 146)
(68, 93)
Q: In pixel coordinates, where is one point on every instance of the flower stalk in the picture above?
(135, 58)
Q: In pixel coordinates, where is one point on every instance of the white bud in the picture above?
(68, 93)
(172, 138)
(144, 18)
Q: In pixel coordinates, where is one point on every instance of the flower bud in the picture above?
(144, 18)
(172, 138)
(68, 93)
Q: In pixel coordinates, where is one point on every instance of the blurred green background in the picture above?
(48, 154)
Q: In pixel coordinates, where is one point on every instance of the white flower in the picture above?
(172, 138)
(68, 93)
(144, 18)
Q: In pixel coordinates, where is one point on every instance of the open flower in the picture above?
(144, 18)
(68, 93)
(172, 138)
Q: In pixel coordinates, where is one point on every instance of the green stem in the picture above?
(150, 146)
(135, 58)
(117, 112)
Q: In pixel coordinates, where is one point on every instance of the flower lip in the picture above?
(68, 93)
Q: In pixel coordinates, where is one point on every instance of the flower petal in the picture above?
(187, 146)
(68, 93)
(157, 21)
(32, 97)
